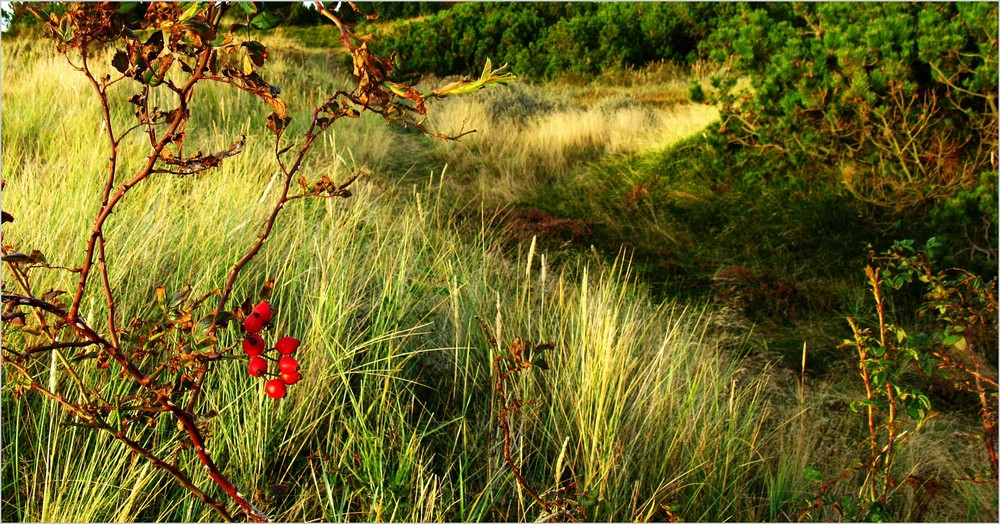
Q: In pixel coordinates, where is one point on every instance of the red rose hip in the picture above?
(253, 323)
(264, 310)
(257, 366)
(275, 388)
(253, 345)
(288, 364)
(287, 345)
(290, 377)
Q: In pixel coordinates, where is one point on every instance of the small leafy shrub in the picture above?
(896, 365)
(569, 503)
(961, 309)
(696, 93)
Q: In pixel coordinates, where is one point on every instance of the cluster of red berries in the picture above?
(254, 347)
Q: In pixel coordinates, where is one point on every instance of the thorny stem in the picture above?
(185, 417)
(345, 34)
(987, 415)
(288, 172)
(875, 283)
(870, 408)
(891, 427)
(505, 427)
(53, 346)
(95, 252)
(268, 225)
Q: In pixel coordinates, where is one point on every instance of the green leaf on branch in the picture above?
(488, 77)
(956, 341)
(812, 474)
(858, 404)
(125, 7)
(157, 71)
(248, 7)
(265, 21)
(221, 40)
(192, 10)
(179, 296)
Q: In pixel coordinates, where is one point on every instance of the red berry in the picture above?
(275, 388)
(290, 377)
(257, 366)
(253, 345)
(253, 323)
(264, 310)
(287, 345)
(288, 364)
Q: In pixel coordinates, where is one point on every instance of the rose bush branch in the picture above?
(164, 360)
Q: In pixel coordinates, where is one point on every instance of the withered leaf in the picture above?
(277, 123)
(256, 51)
(120, 61)
(153, 46)
(266, 289)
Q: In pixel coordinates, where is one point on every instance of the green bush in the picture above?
(695, 92)
(894, 102)
(544, 40)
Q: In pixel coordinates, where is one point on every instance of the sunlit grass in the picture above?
(527, 138)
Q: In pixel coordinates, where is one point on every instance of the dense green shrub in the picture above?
(543, 40)
(894, 102)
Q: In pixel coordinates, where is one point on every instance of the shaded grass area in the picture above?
(786, 258)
